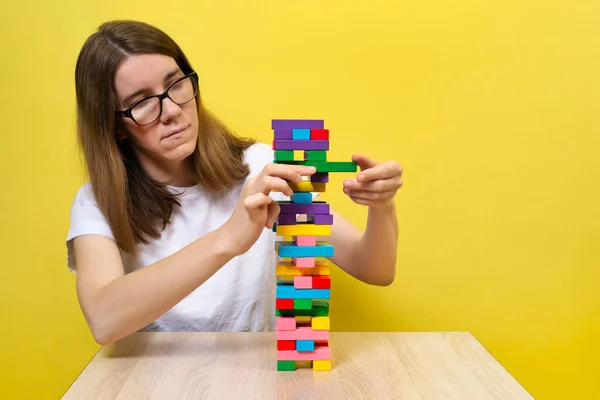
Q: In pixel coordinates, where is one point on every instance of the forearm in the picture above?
(136, 299)
(375, 255)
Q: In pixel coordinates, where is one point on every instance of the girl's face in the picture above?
(170, 138)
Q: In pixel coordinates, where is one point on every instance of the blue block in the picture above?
(305, 345)
(300, 134)
(287, 291)
(290, 249)
(302, 198)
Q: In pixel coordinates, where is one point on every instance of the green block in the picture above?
(284, 155)
(315, 311)
(327, 166)
(302, 304)
(286, 365)
(315, 155)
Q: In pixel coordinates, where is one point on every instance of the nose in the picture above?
(170, 110)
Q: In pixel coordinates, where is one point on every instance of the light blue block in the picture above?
(290, 249)
(302, 198)
(289, 292)
(300, 134)
(305, 345)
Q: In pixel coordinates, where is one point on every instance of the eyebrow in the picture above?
(138, 92)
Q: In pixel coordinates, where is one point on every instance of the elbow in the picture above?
(102, 330)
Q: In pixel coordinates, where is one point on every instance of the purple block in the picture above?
(320, 219)
(301, 144)
(322, 177)
(288, 207)
(286, 219)
(282, 134)
(297, 123)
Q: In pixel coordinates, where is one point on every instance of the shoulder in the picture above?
(84, 195)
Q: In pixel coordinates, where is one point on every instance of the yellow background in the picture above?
(491, 108)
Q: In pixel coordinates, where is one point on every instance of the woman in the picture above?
(173, 231)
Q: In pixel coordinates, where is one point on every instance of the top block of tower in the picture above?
(297, 123)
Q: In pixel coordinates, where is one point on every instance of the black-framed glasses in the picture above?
(149, 109)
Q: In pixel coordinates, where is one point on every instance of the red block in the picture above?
(319, 134)
(321, 282)
(286, 345)
(284, 304)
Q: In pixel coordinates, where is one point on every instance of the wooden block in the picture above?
(320, 177)
(313, 155)
(286, 323)
(298, 155)
(301, 198)
(282, 134)
(289, 249)
(303, 320)
(286, 219)
(319, 282)
(286, 365)
(300, 145)
(305, 240)
(288, 292)
(321, 365)
(304, 345)
(317, 207)
(302, 333)
(303, 282)
(287, 268)
(304, 262)
(327, 166)
(315, 311)
(285, 155)
(307, 186)
(320, 323)
(286, 345)
(319, 353)
(303, 304)
(304, 229)
(320, 219)
(297, 123)
(284, 304)
(319, 134)
(300, 134)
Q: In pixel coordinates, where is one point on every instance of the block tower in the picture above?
(303, 281)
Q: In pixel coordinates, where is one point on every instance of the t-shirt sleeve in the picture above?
(85, 219)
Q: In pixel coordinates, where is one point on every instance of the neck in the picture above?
(172, 173)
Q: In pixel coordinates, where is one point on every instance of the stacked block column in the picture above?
(303, 280)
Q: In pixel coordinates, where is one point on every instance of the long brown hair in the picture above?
(137, 207)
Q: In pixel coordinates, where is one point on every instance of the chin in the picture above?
(182, 151)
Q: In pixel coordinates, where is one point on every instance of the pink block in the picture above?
(320, 353)
(304, 262)
(303, 282)
(305, 240)
(302, 333)
(286, 323)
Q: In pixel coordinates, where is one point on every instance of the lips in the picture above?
(175, 132)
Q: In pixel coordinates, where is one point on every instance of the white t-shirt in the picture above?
(238, 297)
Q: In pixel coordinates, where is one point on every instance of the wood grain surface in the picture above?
(242, 365)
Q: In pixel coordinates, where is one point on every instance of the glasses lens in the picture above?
(183, 91)
(146, 111)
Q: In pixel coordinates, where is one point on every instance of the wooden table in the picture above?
(379, 365)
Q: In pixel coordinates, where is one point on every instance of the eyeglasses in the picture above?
(149, 109)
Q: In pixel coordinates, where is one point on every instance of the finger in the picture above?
(368, 195)
(256, 200)
(381, 171)
(273, 212)
(363, 161)
(269, 183)
(361, 201)
(292, 173)
(374, 186)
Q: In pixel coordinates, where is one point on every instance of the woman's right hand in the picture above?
(255, 209)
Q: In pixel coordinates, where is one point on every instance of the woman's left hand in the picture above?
(376, 184)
